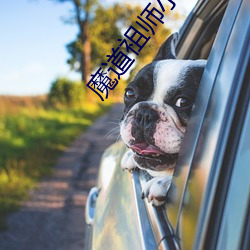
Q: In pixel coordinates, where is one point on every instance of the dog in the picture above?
(158, 102)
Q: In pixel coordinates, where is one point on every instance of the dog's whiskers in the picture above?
(112, 132)
(118, 138)
(116, 122)
(115, 131)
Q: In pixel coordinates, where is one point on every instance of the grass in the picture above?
(31, 139)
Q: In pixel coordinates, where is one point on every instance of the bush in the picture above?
(31, 139)
(66, 93)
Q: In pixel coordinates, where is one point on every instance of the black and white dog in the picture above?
(158, 103)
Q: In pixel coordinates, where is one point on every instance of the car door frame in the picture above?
(198, 139)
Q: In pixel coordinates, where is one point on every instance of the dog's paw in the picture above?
(127, 162)
(156, 189)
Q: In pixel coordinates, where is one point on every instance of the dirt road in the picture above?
(53, 218)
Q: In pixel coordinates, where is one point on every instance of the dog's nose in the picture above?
(145, 117)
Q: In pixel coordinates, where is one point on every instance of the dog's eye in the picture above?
(130, 94)
(183, 102)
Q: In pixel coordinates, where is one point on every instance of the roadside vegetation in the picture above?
(34, 131)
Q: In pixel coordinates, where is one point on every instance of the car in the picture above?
(208, 203)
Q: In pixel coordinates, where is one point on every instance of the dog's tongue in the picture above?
(145, 149)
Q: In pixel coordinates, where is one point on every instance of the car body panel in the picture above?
(117, 224)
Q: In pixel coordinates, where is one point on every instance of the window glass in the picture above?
(236, 206)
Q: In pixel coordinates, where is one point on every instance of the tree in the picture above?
(103, 32)
(83, 16)
(106, 27)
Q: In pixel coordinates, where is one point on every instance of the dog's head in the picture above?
(158, 103)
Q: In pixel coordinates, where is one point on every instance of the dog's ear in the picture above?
(167, 49)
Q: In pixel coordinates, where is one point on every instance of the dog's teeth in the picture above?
(155, 155)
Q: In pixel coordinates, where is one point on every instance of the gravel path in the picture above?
(53, 218)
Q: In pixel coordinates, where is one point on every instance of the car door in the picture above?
(210, 165)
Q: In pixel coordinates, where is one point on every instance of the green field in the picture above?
(31, 138)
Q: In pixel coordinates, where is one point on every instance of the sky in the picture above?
(32, 44)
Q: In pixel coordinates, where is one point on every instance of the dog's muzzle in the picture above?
(145, 118)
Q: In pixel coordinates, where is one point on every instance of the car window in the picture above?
(235, 211)
(199, 31)
(165, 222)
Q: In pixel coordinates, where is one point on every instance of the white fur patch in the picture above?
(157, 188)
(128, 161)
(167, 138)
(125, 131)
(168, 74)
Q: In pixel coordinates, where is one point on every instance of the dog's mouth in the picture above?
(146, 151)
